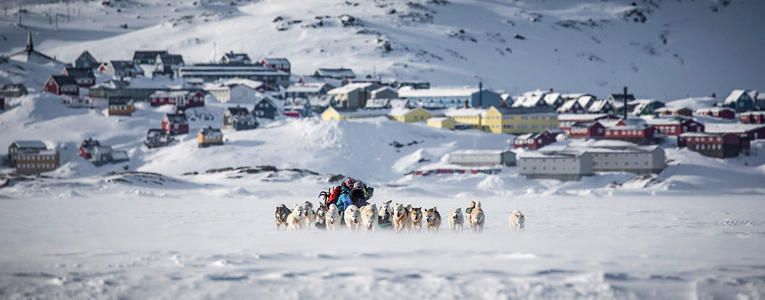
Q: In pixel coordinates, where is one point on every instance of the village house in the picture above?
(452, 97)
(619, 98)
(209, 136)
(77, 101)
(124, 89)
(141, 57)
(602, 106)
(157, 137)
(86, 148)
(561, 165)
(441, 122)
(86, 60)
(175, 124)
(213, 72)
(265, 108)
(637, 134)
(237, 90)
(166, 64)
(675, 111)
(641, 107)
(297, 108)
(409, 115)
(120, 69)
(586, 130)
(619, 156)
(675, 126)
(232, 58)
(105, 154)
(277, 63)
(741, 100)
(83, 76)
(533, 99)
(354, 95)
(61, 85)
(417, 85)
(320, 103)
(518, 120)
(572, 107)
(181, 99)
(312, 80)
(378, 103)
(29, 157)
(12, 90)
(467, 117)
(717, 112)
(307, 90)
(752, 117)
(745, 131)
(384, 92)
(121, 106)
(719, 145)
(566, 120)
(338, 113)
(341, 73)
(482, 158)
(534, 141)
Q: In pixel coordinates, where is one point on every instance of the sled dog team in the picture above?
(401, 217)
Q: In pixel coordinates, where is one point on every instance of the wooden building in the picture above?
(720, 145)
(210, 136)
(121, 106)
(29, 157)
(482, 158)
(175, 124)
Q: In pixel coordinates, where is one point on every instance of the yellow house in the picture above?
(470, 116)
(518, 120)
(409, 115)
(334, 113)
(209, 136)
(441, 122)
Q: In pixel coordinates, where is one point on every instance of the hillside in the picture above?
(660, 49)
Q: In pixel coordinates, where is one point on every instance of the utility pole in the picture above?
(67, 13)
(625, 103)
(50, 17)
(19, 15)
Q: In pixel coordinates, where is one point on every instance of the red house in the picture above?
(749, 131)
(641, 135)
(586, 130)
(572, 107)
(86, 148)
(752, 117)
(533, 141)
(175, 124)
(181, 99)
(675, 126)
(61, 85)
(277, 63)
(717, 112)
(566, 120)
(714, 145)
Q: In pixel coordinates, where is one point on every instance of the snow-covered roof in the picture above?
(336, 73)
(568, 105)
(452, 112)
(276, 61)
(211, 131)
(530, 99)
(580, 117)
(732, 128)
(402, 111)
(714, 109)
(305, 88)
(120, 155)
(324, 80)
(439, 119)
(478, 151)
(437, 92)
(383, 89)
(550, 98)
(169, 94)
(361, 112)
(31, 145)
(597, 105)
(735, 95)
(236, 57)
(349, 88)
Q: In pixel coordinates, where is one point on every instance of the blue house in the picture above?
(452, 97)
(85, 60)
(741, 100)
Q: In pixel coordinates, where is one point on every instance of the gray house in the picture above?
(265, 108)
(482, 158)
(238, 118)
(104, 154)
(452, 97)
(14, 90)
(563, 165)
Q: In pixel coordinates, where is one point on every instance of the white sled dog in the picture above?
(332, 217)
(401, 218)
(432, 220)
(309, 216)
(369, 217)
(416, 214)
(455, 219)
(476, 218)
(386, 213)
(516, 220)
(295, 219)
(352, 217)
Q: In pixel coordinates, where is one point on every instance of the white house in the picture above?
(236, 90)
(562, 165)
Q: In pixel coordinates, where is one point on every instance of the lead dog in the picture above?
(477, 218)
(416, 214)
(352, 217)
(332, 217)
(309, 216)
(455, 219)
(401, 218)
(385, 214)
(516, 220)
(432, 220)
(281, 216)
(295, 219)
(369, 217)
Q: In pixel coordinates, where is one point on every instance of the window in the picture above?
(535, 117)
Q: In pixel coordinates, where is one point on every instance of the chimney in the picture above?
(625, 103)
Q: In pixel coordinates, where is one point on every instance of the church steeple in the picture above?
(30, 46)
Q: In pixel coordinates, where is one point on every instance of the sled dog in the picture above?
(321, 217)
(416, 214)
(281, 216)
(369, 217)
(332, 217)
(469, 209)
(295, 219)
(309, 217)
(384, 216)
(516, 220)
(476, 218)
(352, 217)
(455, 219)
(401, 218)
(432, 220)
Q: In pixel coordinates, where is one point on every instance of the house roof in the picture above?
(305, 88)
(407, 92)
(403, 111)
(117, 100)
(714, 109)
(378, 103)
(550, 98)
(79, 72)
(620, 97)
(598, 105)
(87, 55)
(734, 95)
(381, 89)
(275, 61)
(732, 128)
(568, 105)
(177, 118)
(171, 59)
(581, 117)
(309, 79)
(38, 145)
(453, 112)
(63, 80)
(360, 112)
(350, 88)
(237, 111)
(236, 57)
(211, 131)
(530, 99)
(152, 54)
(336, 73)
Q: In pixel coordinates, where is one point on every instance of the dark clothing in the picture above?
(358, 197)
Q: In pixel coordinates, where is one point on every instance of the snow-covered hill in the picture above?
(660, 49)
